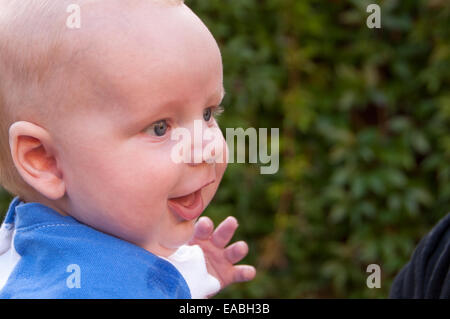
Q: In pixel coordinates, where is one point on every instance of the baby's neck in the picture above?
(58, 206)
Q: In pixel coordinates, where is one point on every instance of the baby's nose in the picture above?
(210, 148)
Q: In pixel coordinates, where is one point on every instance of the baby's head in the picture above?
(86, 114)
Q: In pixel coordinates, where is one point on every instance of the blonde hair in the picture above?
(31, 52)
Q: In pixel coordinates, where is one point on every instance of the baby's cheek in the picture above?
(222, 162)
(220, 170)
(210, 190)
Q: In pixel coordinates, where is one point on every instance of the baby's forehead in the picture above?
(171, 56)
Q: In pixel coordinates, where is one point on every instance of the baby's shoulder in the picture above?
(66, 259)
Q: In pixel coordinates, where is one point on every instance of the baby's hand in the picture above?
(220, 260)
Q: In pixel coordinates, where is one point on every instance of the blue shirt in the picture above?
(58, 257)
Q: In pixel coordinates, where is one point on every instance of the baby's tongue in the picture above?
(187, 200)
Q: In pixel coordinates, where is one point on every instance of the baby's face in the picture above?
(164, 72)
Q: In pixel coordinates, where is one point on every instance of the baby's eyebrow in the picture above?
(222, 95)
(217, 96)
(152, 115)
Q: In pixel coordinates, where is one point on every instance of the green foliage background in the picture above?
(364, 118)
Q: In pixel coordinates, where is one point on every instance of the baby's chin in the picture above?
(182, 232)
(169, 248)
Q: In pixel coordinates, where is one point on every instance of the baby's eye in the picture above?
(207, 114)
(212, 111)
(158, 128)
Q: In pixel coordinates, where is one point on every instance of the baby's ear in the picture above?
(33, 155)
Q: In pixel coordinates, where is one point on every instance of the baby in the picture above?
(101, 209)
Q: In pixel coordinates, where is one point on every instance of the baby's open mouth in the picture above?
(187, 200)
(188, 206)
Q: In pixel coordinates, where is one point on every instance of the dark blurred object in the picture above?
(427, 275)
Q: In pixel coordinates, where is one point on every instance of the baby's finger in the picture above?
(244, 273)
(203, 228)
(236, 252)
(224, 232)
